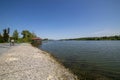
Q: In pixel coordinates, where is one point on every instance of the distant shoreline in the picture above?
(116, 37)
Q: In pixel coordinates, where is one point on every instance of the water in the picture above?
(90, 60)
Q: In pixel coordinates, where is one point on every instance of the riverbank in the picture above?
(24, 62)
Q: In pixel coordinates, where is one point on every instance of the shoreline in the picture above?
(28, 63)
(60, 63)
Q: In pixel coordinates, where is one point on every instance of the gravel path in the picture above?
(4, 47)
(25, 62)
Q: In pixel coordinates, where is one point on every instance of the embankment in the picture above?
(25, 62)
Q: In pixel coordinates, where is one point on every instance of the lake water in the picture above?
(90, 60)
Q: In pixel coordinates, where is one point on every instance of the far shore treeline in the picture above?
(116, 37)
(26, 36)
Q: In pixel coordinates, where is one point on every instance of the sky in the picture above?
(61, 19)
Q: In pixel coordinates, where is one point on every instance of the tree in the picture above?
(1, 38)
(33, 35)
(15, 35)
(6, 34)
(27, 35)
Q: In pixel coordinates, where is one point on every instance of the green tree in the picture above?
(6, 34)
(27, 35)
(1, 38)
(33, 35)
(15, 35)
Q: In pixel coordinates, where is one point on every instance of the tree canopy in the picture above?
(5, 36)
(27, 35)
(15, 35)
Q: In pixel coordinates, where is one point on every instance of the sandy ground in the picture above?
(25, 62)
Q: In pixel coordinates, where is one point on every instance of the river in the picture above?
(87, 59)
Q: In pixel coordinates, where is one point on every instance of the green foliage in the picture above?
(20, 40)
(116, 37)
(33, 35)
(1, 38)
(6, 35)
(27, 36)
(15, 35)
(46, 39)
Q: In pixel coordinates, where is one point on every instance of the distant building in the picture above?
(36, 41)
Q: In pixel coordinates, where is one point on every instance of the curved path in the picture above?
(25, 62)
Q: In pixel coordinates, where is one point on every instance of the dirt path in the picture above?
(25, 62)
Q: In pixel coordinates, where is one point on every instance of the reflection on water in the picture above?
(90, 60)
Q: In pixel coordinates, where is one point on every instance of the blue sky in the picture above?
(59, 19)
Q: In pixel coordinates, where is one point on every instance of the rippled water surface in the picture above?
(88, 59)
